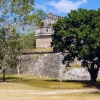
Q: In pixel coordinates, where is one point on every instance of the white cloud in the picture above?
(51, 10)
(65, 6)
(40, 6)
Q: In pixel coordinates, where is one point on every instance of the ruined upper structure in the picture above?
(43, 34)
(46, 29)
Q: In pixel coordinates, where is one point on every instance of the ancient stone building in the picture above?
(43, 34)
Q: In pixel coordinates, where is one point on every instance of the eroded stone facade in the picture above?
(43, 41)
(43, 34)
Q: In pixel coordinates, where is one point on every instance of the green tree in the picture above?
(20, 13)
(9, 49)
(15, 11)
(28, 41)
(78, 34)
(15, 14)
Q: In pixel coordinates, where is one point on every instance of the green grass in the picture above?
(28, 87)
(19, 91)
(37, 50)
(49, 83)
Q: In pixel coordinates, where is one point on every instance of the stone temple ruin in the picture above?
(47, 63)
(43, 34)
(50, 64)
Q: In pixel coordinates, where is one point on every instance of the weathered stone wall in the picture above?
(76, 74)
(43, 41)
(48, 65)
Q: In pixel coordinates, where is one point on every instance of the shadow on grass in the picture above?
(85, 83)
(52, 83)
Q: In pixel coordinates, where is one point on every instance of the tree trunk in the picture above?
(93, 73)
(3, 78)
(18, 66)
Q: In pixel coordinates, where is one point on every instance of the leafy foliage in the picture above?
(79, 34)
(28, 41)
(10, 47)
(19, 13)
(15, 14)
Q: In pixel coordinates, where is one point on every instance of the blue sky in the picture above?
(62, 7)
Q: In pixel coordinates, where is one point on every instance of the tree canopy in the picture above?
(20, 13)
(79, 34)
(15, 14)
(28, 41)
(9, 48)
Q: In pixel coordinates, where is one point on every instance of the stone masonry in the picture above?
(43, 34)
(43, 41)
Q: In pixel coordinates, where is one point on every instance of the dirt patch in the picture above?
(9, 92)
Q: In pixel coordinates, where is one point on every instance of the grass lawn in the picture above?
(29, 87)
(49, 83)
